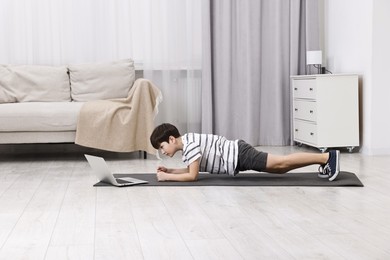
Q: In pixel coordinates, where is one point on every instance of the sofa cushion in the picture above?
(33, 83)
(6, 93)
(39, 116)
(101, 80)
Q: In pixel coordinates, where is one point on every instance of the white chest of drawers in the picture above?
(326, 110)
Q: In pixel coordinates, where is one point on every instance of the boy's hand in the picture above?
(162, 169)
(161, 175)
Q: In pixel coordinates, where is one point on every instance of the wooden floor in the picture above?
(49, 210)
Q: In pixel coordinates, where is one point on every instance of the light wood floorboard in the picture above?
(49, 209)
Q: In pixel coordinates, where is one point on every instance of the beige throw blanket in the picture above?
(120, 125)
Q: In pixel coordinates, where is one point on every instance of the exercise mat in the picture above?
(251, 179)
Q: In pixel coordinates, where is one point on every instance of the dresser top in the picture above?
(320, 76)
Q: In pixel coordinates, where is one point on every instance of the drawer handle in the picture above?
(295, 88)
(311, 89)
(296, 109)
(311, 133)
(311, 111)
(296, 130)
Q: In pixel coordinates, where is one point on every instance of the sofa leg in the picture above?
(145, 154)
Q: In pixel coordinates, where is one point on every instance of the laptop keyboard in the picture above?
(120, 181)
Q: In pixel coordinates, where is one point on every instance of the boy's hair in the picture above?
(162, 133)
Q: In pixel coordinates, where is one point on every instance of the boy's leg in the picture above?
(285, 163)
(251, 159)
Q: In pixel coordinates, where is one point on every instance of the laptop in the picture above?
(100, 168)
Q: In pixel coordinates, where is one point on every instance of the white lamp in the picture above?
(314, 58)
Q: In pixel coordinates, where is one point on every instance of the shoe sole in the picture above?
(337, 167)
(323, 176)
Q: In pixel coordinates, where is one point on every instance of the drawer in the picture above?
(304, 88)
(305, 110)
(305, 132)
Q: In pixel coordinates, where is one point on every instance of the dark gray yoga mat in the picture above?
(251, 179)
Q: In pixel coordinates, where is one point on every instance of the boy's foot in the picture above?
(332, 167)
(323, 171)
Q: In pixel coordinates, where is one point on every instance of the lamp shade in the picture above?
(314, 57)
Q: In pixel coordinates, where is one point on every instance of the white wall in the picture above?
(356, 37)
(381, 78)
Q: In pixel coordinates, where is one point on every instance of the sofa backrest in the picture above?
(80, 82)
(97, 81)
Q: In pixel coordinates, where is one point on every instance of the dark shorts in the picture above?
(249, 158)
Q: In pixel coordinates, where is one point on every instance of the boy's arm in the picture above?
(187, 174)
(172, 170)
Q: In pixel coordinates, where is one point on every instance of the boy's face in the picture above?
(169, 148)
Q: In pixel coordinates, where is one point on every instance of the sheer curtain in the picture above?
(163, 37)
(173, 60)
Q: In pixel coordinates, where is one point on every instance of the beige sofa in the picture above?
(41, 104)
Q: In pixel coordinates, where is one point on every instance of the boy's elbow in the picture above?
(192, 177)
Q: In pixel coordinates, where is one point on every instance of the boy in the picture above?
(216, 154)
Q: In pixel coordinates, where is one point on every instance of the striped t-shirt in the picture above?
(216, 153)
